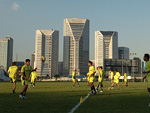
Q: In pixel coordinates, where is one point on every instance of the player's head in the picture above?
(146, 57)
(100, 67)
(125, 72)
(75, 70)
(34, 69)
(116, 70)
(97, 68)
(27, 62)
(111, 70)
(13, 64)
(90, 63)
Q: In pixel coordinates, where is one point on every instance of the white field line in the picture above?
(73, 109)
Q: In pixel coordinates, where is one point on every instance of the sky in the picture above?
(21, 18)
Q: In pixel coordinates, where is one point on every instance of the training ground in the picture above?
(60, 97)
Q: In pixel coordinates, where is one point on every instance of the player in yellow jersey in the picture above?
(91, 77)
(33, 78)
(112, 78)
(74, 78)
(116, 78)
(25, 71)
(13, 74)
(147, 72)
(101, 74)
(125, 79)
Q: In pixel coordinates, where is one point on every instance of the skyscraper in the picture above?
(6, 52)
(106, 46)
(123, 52)
(76, 46)
(47, 45)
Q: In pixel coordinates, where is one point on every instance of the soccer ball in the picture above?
(43, 59)
(109, 88)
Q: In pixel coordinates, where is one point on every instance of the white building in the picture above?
(6, 52)
(76, 46)
(106, 46)
(47, 42)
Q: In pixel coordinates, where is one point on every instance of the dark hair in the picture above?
(27, 60)
(111, 69)
(90, 62)
(13, 64)
(116, 70)
(101, 67)
(147, 56)
(34, 70)
(125, 72)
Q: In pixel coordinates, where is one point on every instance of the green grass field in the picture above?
(60, 97)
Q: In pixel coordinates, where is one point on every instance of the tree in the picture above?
(56, 77)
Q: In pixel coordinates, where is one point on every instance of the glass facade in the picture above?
(76, 46)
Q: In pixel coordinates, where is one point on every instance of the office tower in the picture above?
(123, 52)
(76, 46)
(106, 46)
(47, 45)
(6, 52)
(33, 60)
(60, 68)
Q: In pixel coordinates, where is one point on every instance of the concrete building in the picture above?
(32, 60)
(130, 66)
(46, 45)
(106, 46)
(76, 46)
(123, 52)
(6, 52)
(60, 68)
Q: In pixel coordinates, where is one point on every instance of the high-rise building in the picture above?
(46, 45)
(123, 52)
(76, 46)
(6, 52)
(33, 60)
(60, 68)
(106, 46)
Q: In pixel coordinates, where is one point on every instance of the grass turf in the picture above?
(60, 97)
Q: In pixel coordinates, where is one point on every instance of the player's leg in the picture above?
(77, 82)
(97, 86)
(92, 86)
(34, 83)
(101, 87)
(14, 88)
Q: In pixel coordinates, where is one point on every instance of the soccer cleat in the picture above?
(14, 92)
(79, 85)
(101, 91)
(24, 97)
(118, 88)
(112, 87)
(95, 93)
(21, 96)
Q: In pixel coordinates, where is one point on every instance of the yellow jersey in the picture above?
(91, 70)
(12, 71)
(33, 75)
(74, 75)
(112, 75)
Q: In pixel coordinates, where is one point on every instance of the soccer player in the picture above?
(112, 78)
(125, 79)
(74, 79)
(25, 71)
(101, 74)
(91, 77)
(146, 59)
(13, 74)
(33, 78)
(116, 78)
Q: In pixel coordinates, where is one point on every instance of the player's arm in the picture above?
(30, 77)
(16, 73)
(22, 73)
(92, 73)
